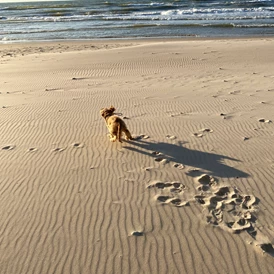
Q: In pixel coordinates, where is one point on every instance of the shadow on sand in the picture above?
(177, 153)
(211, 163)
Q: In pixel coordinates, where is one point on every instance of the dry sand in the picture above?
(192, 194)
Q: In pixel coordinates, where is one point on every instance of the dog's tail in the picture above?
(119, 133)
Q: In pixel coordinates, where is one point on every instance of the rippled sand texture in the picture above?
(193, 193)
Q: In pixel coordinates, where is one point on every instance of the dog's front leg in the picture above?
(112, 137)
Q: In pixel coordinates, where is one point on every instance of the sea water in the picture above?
(94, 19)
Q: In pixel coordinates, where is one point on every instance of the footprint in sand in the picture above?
(193, 170)
(171, 137)
(235, 92)
(137, 233)
(176, 201)
(225, 116)
(78, 145)
(173, 188)
(159, 157)
(162, 199)
(205, 182)
(9, 147)
(148, 168)
(206, 130)
(58, 149)
(160, 185)
(77, 78)
(32, 149)
(171, 200)
(157, 153)
(179, 166)
(198, 135)
(200, 199)
(262, 120)
(177, 187)
(201, 132)
(141, 136)
(205, 179)
(161, 160)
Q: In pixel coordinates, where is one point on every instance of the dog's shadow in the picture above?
(177, 153)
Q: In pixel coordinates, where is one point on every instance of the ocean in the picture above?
(94, 19)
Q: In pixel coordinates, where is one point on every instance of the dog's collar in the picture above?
(108, 116)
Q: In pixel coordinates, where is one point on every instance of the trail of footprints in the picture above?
(33, 149)
(222, 205)
(226, 206)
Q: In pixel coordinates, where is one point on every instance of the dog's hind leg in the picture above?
(113, 138)
(128, 135)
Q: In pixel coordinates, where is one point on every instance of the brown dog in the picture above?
(116, 126)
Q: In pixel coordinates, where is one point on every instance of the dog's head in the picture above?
(105, 112)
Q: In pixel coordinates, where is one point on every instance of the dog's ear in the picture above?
(102, 111)
(112, 108)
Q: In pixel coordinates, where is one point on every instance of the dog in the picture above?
(116, 126)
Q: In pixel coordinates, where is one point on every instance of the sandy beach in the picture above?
(192, 193)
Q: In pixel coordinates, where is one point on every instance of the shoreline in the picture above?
(139, 39)
(89, 44)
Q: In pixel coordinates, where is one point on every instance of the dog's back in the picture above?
(115, 126)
